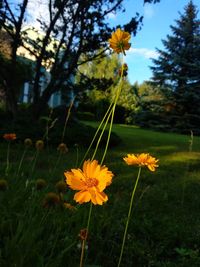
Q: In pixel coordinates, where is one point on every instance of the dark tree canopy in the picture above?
(177, 69)
(79, 27)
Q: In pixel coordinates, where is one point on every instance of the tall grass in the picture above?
(163, 232)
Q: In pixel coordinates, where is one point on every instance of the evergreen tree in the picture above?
(177, 69)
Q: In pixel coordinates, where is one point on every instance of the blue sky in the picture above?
(156, 25)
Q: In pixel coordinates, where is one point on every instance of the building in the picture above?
(32, 35)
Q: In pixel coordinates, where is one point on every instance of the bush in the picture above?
(168, 122)
(76, 132)
(87, 116)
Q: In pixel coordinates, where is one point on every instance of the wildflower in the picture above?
(90, 182)
(119, 41)
(142, 160)
(39, 144)
(124, 68)
(9, 136)
(69, 206)
(62, 148)
(83, 234)
(28, 142)
(51, 200)
(40, 184)
(61, 186)
(3, 185)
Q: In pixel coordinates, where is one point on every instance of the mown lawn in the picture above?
(164, 228)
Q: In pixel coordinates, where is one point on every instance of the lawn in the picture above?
(164, 226)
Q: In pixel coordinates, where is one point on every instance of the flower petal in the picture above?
(73, 179)
(99, 198)
(82, 196)
(104, 177)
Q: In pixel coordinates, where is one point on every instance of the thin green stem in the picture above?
(77, 156)
(100, 137)
(87, 230)
(7, 159)
(110, 112)
(82, 253)
(187, 167)
(21, 161)
(128, 218)
(111, 123)
(98, 129)
(56, 164)
(89, 216)
(34, 163)
(67, 118)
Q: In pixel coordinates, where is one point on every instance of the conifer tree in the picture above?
(177, 69)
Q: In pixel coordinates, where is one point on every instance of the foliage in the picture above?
(76, 133)
(74, 28)
(98, 96)
(176, 71)
(23, 73)
(148, 100)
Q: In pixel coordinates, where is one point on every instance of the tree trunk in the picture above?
(38, 108)
(11, 103)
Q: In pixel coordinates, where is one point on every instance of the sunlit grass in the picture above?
(161, 222)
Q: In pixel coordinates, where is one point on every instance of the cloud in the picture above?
(112, 15)
(148, 11)
(36, 10)
(144, 52)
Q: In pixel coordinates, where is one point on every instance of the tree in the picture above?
(80, 27)
(177, 69)
(23, 70)
(97, 80)
(12, 23)
(146, 104)
(101, 77)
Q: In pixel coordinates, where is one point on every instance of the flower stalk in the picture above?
(21, 161)
(7, 159)
(84, 240)
(128, 217)
(8, 137)
(95, 178)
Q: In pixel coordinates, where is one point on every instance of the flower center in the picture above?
(121, 45)
(90, 182)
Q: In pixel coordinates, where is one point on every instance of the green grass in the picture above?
(164, 226)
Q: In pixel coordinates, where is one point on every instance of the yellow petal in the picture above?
(98, 198)
(82, 196)
(78, 173)
(105, 178)
(73, 181)
(151, 168)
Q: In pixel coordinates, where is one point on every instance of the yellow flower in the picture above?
(62, 148)
(90, 182)
(142, 160)
(28, 142)
(9, 136)
(119, 41)
(39, 144)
